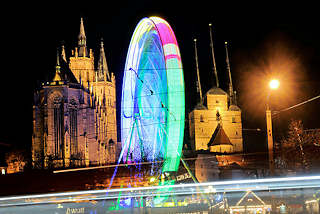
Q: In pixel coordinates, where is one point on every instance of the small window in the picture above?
(201, 118)
(217, 101)
(233, 120)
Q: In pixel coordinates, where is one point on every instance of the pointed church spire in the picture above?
(213, 58)
(63, 53)
(82, 33)
(198, 74)
(82, 40)
(231, 94)
(235, 98)
(57, 76)
(103, 72)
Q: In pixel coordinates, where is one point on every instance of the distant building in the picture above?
(74, 114)
(215, 128)
(215, 123)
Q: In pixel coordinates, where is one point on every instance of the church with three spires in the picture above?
(215, 128)
(215, 123)
(74, 114)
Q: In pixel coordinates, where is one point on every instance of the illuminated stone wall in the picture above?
(74, 119)
(203, 121)
(82, 67)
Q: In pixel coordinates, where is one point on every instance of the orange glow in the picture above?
(274, 84)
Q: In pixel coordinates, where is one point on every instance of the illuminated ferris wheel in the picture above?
(153, 102)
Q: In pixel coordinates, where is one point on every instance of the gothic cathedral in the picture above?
(74, 114)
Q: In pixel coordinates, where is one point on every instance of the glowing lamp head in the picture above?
(274, 84)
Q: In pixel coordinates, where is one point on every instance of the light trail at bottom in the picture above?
(286, 194)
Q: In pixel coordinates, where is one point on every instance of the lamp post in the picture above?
(273, 85)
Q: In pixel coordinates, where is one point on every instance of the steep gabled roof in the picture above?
(63, 72)
(250, 199)
(219, 137)
(66, 72)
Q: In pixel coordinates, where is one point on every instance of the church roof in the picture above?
(66, 72)
(234, 108)
(200, 106)
(250, 199)
(219, 137)
(63, 72)
(216, 91)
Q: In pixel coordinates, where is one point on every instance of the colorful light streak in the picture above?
(179, 189)
(153, 102)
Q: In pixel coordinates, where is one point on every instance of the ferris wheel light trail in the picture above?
(153, 102)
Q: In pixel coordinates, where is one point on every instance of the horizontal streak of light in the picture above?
(102, 167)
(153, 194)
(175, 192)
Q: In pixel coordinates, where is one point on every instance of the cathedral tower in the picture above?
(100, 81)
(74, 113)
(82, 62)
(104, 87)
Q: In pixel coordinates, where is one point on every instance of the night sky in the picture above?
(265, 39)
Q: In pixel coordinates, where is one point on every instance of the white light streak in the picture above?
(178, 189)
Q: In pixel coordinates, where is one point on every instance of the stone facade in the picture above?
(74, 115)
(204, 120)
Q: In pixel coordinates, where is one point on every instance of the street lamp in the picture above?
(273, 85)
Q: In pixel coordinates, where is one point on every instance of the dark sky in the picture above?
(266, 39)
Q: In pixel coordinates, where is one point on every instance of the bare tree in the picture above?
(299, 147)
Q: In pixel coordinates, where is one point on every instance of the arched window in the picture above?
(201, 118)
(58, 123)
(73, 118)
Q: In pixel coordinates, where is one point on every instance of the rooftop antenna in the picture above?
(231, 93)
(213, 58)
(197, 67)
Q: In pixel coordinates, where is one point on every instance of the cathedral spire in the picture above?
(57, 76)
(82, 40)
(198, 74)
(103, 72)
(213, 58)
(231, 93)
(63, 53)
